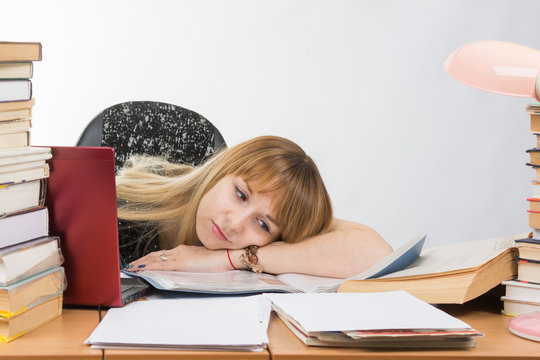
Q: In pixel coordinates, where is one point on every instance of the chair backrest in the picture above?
(153, 128)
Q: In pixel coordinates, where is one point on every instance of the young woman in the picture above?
(259, 205)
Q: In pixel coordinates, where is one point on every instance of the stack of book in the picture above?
(523, 294)
(534, 163)
(31, 278)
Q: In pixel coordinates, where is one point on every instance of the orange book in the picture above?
(534, 219)
(534, 204)
(20, 51)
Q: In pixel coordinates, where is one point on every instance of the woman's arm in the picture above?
(346, 249)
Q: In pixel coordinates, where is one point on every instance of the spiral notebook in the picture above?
(81, 198)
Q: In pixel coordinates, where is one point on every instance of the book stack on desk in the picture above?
(31, 278)
(22, 168)
(16, 70)
(534, 163)
(523, 294)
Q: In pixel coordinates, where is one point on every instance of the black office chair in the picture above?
(153, 128)
(150, 128)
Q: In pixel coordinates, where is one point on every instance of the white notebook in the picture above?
(224, 323)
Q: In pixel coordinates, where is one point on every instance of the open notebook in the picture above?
(81, 197)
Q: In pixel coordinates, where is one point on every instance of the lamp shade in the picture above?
(497, 66)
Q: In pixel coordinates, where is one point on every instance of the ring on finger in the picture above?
(162, 255)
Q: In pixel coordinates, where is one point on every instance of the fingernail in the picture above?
(141, 266)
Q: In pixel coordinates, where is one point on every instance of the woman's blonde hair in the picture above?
(151, 189)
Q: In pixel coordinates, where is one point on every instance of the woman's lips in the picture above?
(218, 232)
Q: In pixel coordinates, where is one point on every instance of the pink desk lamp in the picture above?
(509, 69)
(497, 66)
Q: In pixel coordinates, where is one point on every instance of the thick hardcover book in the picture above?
(15, 90)
(22, 260)
(16, 70)
(529, 248)
(22, 196)
(15, 125)
(31, 291)
(449, 274)
(22, 227)
(20, 51)
(16, 110)
(16, 326)
(528, 270)
(24, 155)
(15, 139)
(24, 174)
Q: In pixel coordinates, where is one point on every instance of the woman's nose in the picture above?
(238, 220)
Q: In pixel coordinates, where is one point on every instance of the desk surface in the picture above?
(61, 338)
(481, 314)
(169, 355)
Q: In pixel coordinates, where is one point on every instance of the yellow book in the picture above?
(25, 294)
(16, 326)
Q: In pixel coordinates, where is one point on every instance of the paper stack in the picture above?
(234, 324)
(385, 319)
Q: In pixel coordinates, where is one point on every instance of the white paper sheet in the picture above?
(363, 311)
(211, 323)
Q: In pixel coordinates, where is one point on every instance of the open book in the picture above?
(245, 282)
(449, 274)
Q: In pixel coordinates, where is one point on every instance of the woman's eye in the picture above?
(264, 225)
(240, 194)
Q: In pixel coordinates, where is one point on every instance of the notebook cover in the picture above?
(81, 197)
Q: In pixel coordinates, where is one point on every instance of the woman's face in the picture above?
(232, 216)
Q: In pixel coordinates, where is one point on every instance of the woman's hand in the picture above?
(183, 258)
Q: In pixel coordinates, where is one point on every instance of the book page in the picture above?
(310, 283)
(459, 256)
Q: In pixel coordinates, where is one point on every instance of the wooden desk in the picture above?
(184, 355)
(481, 314)
(61, 338)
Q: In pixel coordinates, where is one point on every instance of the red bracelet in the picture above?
(229, 256)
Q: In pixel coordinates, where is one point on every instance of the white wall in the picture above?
(359, 84)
